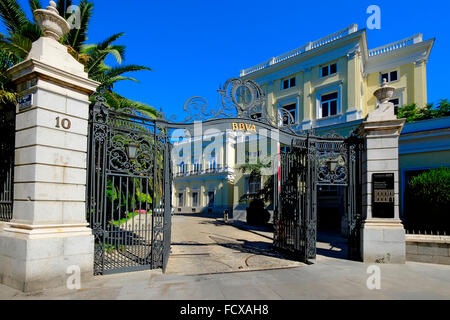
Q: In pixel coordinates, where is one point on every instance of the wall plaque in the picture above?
(383, 203)
(25, 102)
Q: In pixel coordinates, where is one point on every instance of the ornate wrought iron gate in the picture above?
(129, 183)
(291, 207)
(310, 162)
(7, 146)
(128, 190)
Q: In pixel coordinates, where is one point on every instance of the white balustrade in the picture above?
(298, 51)
(396, 45)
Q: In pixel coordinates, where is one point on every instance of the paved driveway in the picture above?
(206, 245)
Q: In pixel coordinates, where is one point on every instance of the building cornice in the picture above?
(417, 53)
(32, 68)
(305, 51)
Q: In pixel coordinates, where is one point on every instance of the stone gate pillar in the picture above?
(382, 233)
(49, 232)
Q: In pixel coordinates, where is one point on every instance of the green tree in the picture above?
(413, 113)
(21, 33)
(433, 187)
(429, 194)
(255, 171)
(108, 76)
(257, 214)
(7, 94)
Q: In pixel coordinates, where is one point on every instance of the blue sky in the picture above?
(194, 46)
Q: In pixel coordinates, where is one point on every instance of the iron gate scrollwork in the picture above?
(127, 187)
(310, 162)
(354, 196)
(290, 217)
(7, 145)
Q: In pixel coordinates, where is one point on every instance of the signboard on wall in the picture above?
(383, 203)
(25, 102)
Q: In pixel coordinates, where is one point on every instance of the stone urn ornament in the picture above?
(51, 23)
(385, 110)
(385, 93)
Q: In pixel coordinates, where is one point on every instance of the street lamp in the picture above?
(132, 149)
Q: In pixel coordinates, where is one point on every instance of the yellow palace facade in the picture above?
(327, 85)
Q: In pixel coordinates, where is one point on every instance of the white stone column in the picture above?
(382, 239)
(49, 232)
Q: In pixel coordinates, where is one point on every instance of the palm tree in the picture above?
(14, 46)
(7, 95)
(21, 33)
(108, 76)
(255, 171)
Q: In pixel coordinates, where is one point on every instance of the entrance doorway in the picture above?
(332, 226)
(211, 199)
(330, 209)
(194, 200)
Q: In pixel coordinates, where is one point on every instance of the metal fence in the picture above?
(427, 232)
(7, 145)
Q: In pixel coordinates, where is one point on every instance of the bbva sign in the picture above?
(245, 127)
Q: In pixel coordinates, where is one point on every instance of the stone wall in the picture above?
(428, 249)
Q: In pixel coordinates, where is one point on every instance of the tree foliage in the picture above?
(7, 93)
(428, 199)
(413, 113)
(432, 187)
(255, 171)
(21, 33)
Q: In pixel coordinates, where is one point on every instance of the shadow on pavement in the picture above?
(200, 215)
(332, 245)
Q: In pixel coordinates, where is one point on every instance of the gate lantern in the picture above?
(132, 149)
(332, 165)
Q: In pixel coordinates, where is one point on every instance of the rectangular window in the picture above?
(181, 199)
(195, 199)
(329, 105)
(333, 68)
(329, 70)
(389, 76)
(394, 76)
(395, 102)
(292, 82)
(292, 109)
(254, 185)
(289, 83)
(211, 199)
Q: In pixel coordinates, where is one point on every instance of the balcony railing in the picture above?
(296, 52)
(197, 171)
(396, 45)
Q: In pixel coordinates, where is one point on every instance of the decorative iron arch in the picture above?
(238, 99)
